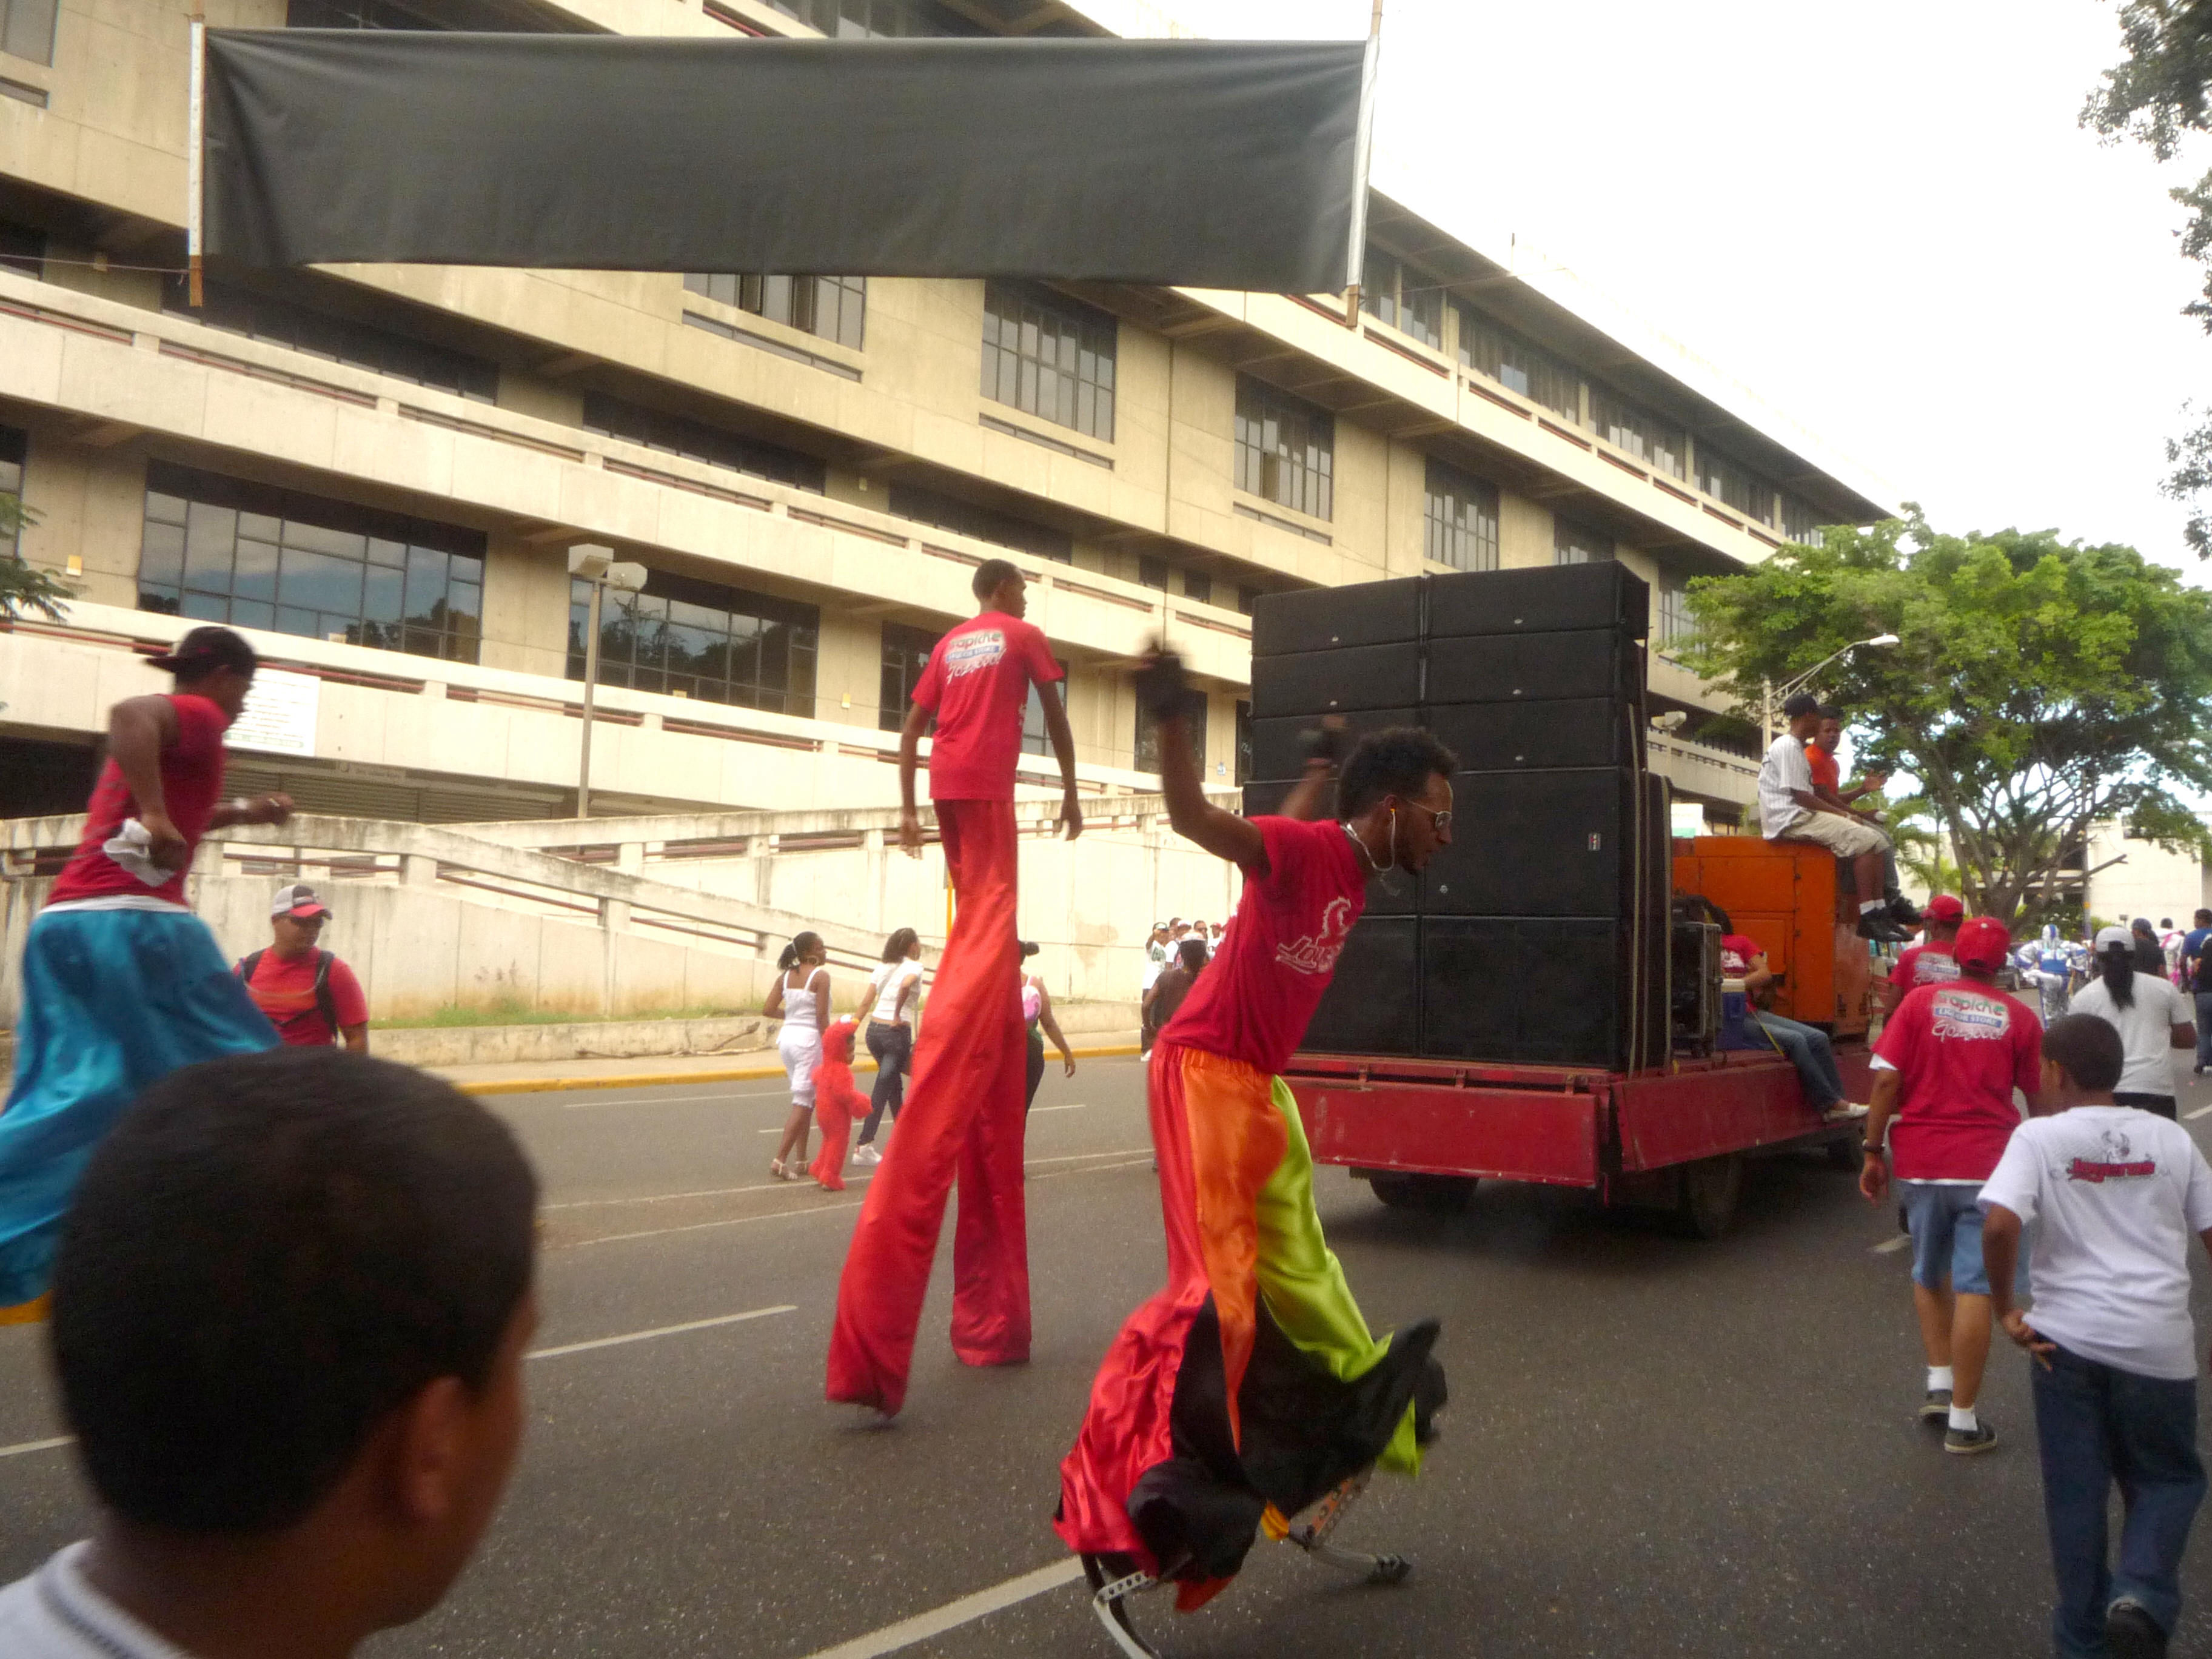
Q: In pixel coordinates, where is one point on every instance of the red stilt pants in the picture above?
(964, 1113)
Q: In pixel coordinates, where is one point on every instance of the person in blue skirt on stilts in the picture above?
(121, 983)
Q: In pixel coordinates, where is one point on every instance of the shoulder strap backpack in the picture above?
(325, 1003)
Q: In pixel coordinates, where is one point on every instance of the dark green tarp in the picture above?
(1210, 164)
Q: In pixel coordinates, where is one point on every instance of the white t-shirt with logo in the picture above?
(2117, 1193)
(1785, 769)
(2146, 1028)
(884, 984)
(56, 1613)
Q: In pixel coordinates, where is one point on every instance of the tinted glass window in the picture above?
(221, 550)
(698, 639)
(984, 523)
(678, 435)
(380, 351)
(1285, 448)
(832, 307)
(1049, 355)
(1462, 518)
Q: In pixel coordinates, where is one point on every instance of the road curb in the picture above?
(540, 1085)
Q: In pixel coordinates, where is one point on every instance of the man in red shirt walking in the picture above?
(121, 983)
(964, 1107)
(310, 996)
(1945, 1069)
(1930, 963)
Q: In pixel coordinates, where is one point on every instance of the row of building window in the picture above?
(223, 550)
(829, 307)
(687, 638)
(14, 447)
(1409, 301)
(335, 339)
(695, 440)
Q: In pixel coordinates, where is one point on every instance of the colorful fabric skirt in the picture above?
(112, 1000)
(1251, 1382)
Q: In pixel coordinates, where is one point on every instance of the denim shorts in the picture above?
(1945, 1220)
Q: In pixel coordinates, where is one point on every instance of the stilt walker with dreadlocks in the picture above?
(1250, 1391)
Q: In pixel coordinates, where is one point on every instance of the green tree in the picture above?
(2158, 95)
(2040, 686)
(23, 585)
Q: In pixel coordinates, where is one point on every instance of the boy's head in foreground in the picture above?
(289, 1313)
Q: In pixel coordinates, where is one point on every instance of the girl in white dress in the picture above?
(801, 996)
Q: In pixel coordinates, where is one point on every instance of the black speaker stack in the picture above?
(1540, 936)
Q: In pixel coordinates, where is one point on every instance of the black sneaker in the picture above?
(1935, 1407)
(2131, 1633)
(1873, 925)
(1966, 1441)
(1905, 913)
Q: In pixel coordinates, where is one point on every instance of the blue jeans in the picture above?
(1810, 1052)
(2097, 1425)
(2204, 1028)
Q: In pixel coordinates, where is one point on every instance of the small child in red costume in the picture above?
(836, 1104)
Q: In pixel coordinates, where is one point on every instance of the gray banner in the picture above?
(1204, 163)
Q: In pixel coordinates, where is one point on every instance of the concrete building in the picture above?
(378, 470)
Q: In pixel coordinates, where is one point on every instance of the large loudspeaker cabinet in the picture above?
(1540, 936)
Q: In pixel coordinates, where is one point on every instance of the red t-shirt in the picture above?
(1257, 996)
(1924, 964)
(977, 684)
(285, 991)
(1738, 953)
(1825, 775)
(1961, 1049)
(192, 784)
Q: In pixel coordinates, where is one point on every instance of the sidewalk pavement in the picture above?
(662, 1070)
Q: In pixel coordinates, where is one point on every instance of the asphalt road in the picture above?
(1655, 1446)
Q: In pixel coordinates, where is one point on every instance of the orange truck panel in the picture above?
(1784, 894)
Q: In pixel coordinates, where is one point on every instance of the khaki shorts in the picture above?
(1847, 838)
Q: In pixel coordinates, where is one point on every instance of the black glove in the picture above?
(1162, 687)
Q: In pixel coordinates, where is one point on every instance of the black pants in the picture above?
(2162, 1104)
(893, 1047)
(1036, 1068)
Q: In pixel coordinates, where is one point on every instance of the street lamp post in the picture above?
(596, 565)
(1776, 696)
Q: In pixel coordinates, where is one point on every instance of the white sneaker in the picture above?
(866, 1154)
(1846, 1112)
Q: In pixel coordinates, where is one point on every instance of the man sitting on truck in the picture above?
(1788, 810)
(1828, 785)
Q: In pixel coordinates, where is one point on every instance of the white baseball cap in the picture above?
(299, 901)
(2111, 936)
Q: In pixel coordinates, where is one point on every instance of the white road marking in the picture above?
(953, 1614)
(823, 1209)
(661, 1330)
(672, 1100)
(1039, 1111)
(2199, 1112)
(1889, 1244)
(23, 1446)
(852, 1175)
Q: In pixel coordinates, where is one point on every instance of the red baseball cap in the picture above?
(1983, 942)
(1942, 908)
(298, 900)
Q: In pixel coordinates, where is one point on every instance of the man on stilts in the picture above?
(121, 983)
(964, 1106)
(1249, 1390)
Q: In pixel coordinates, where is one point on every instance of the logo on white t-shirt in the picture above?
(1318, 952)
(984, 648)
(1963, 1014)
(2117, 1161)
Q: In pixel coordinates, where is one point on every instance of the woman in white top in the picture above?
(801, 996)
(894, 993)
(2152, 1015)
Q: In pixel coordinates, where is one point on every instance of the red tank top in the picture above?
(192, 784)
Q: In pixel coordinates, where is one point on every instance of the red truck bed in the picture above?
(1557, 1125)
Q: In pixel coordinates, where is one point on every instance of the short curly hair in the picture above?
(1400, 761)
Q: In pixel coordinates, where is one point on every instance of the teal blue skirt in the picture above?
(112, 1000)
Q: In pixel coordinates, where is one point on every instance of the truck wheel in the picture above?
(1847, 1152)
(1441, 1194)
(1710, 1188)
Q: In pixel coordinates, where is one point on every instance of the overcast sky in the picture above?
(1883, 220)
